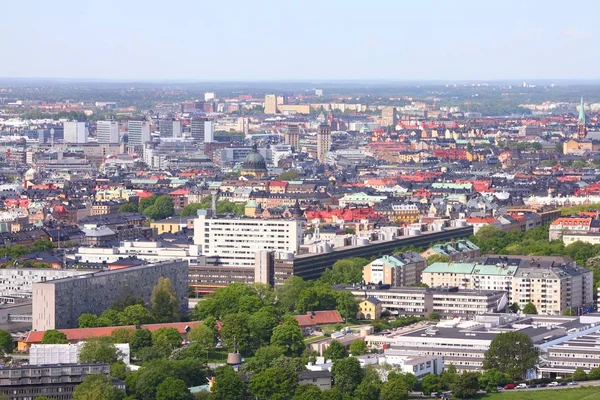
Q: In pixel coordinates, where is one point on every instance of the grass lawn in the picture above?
(587, 393)
(312, 339)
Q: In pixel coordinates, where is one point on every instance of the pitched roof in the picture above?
(319, 318)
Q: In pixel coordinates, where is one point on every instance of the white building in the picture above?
(46, 354)
(75, 132)
(201, 130)
(236, 240)
(107, 132)
(209, 96)
(138, 133)
(169, 128)
(18, 282)
(149, 251)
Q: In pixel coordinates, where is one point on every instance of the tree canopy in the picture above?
(52, 336)
(512, 353)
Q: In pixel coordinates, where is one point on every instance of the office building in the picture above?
(18, 282)
(107, 132)
(270, 104)
(58, 304)
(237, 240)
(397, 270)
(138, 134)
(169, 128)
(75, 132)
(323, 142)
(208, 96)
(292, 137)
(202, 130)
(389, 117)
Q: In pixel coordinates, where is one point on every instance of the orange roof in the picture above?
(278, 183)
(572, 221)
(144, 194)
(79, 334)
(319, 318)
(486, 220)
(180, 192)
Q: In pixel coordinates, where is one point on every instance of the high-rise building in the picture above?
(581, 129)
(270, 104)
(202, 130)
(138, 134)
(169, 128)
(209, 96)
(107, 132)
(388, 116)
(323, 142)
(292, 137)
(75, 132)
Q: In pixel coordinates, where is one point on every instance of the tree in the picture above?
(87, 321)
(434, 316)
(288, 176)
(347, 270)
(335, 351)
(235, 333)
(308, 392)
(511, 352)
(346, 304)
(274, 384)
(347, 374)
(438, 258)
(410, 381)
(96, 387)
(173, 336)
(514, 308)
(262, 323)
(491, 379)
(466, 385)
(449, 376)
(53, 336)
(530, 308)
(228, 384)
(579, 375)
(431, 384)
(122, 335)
(140, 339)
(173, 389)
(118, 370)
(358, 347)
(99, 349)
(264, 358)
(7, 344)
(370, 386)
(569, 312)
(594, 373)
(165, 305)
(164, 206)
(147, 202)
(290, 291)
(203, 336)
(135, 315)
(289, 337)
(128, 208)
(394, 389)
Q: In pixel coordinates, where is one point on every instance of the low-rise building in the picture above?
(455, 250)
(369, 308)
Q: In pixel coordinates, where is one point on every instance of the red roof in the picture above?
(319, 318)
(79, 334)
(180, 192)
(278, 183)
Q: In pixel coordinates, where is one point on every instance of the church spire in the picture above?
(581, 129)
(581, 119)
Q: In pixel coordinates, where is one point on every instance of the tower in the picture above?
(292, 137)
(323, 142)
(581, 129)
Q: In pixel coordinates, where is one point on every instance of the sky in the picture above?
(264, 40)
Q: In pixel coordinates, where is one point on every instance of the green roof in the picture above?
(495, 270)
(455, 268)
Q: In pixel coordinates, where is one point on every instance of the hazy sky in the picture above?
(291, 40)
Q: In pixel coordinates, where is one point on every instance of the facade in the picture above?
(403, 269)
(292, 137)
(270, 104)
(389, 117)
(138, 134)
(75, 132)
(323, 143)
(369, 308)
(321, 379)
(202, 130)
(107, 132)
(58, 304)
(18, 282)
(237, 240)
(169, 128)
(149, 251)
(455, 250)
(571, 226)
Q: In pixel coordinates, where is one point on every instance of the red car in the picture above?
(509, 386)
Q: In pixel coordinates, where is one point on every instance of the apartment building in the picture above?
(569, 226)
(18, 282)
(403, 269)
(237, 240)
(454, 250)
(58, 304)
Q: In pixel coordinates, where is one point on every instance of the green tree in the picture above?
(438, 258)
(512, 353)
(594, 373)
(394, 389)
(203, 336)
(228, 384)
(235, 333)
(264, 358)
(191, 210)
(370, 386)
(346, 304)
(87, 321)
(431, 384)
(289, 337)
(358, 347)
(164, 207)
(449, 376)
(7, 344)
(173, 389)
(347, 270)
(173, 336)
(128, 208)
(147, 202)
(434, 316)
(530, 309)
(491, 379)
(99, 349)
(569, 312)
(262, 323)
(288, 176)
(290, 291)
(43, 245)
(274, 384)
(466, 385)
(96, 387)
(113, 317)
(140, 339)
(165, 305)
(308, 392)
(53, 336)
(579, 375)
(335, 351)
(514, 307)
(118, 370)
(347, 374)
(122, 335)
(135, 315)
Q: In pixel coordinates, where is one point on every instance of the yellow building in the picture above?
(369, 308)
(294, 108)
(172, 225)
(578, 146)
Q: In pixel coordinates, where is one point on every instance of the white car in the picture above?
(521, 386)
(553, 384)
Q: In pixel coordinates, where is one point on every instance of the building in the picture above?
(237, 240)
(75, 132)
(138, 133)
(270, 104)
(56, 381)
(201, 130)
(254, 164)
(107, 132)
(422, 301)
(169, 128)
(581, 128)
(321, 379)
(292, 137)
(150, 251)
(18, 282)
(570, 226)
(58, 304)
(323, 142)
(455, 250)
(389, 117)
(403, 269)
(369, 308)
(45, 354)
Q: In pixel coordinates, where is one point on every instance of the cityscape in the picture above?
(307, 225)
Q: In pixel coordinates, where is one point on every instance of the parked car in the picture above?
(541, 385)
(521, 386)
(553, 384)
(574, 383)
(562, 384)
(532, 386)
(509, 386)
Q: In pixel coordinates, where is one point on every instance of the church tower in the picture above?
(581, 129)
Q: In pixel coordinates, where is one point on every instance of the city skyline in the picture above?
(304, 41)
